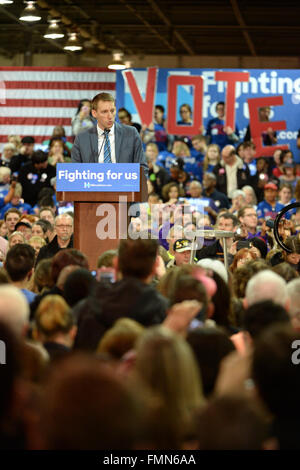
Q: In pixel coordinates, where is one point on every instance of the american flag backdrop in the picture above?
(33, 100)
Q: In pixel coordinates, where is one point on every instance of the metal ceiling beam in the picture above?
(148, 25)
(70, 24)
(169, 24)
(243, 25)
(32, 28)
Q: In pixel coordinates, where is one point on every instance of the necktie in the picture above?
(107, 154)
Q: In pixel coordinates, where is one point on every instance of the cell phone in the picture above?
(243, 244)
(14, 177)
(270, 223)
(106, 275)
(195, 324)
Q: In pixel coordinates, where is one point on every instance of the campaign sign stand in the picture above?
(101, 194)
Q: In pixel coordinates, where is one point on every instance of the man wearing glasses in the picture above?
(63, 238)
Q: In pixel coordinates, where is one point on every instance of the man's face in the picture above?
(270, 195)
(228, 155)
(26, 231)
(220, 111)
(64, 228)
(197, 144)
(11, 220)
(264, 114)
(195, 190)
(249, 219)
(41, 166)
(225, 224)
(28, 149)
(105, 114)
(182, 258)
(47, 215)
(208, 182)
(123, 117)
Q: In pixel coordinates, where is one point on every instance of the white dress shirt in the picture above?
(101, 144)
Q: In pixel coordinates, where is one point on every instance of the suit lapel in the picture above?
(118, 140)
(94, 145)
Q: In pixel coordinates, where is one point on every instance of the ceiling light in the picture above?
(6, 2)
(54, 31)
(73, 43)
(30, 13)
(117, 62)
(128, 64)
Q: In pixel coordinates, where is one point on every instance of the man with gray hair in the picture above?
(14, 309)
(293, 289)
(63, 238)
(267, 285)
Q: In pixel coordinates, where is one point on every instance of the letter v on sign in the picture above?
(144, 107)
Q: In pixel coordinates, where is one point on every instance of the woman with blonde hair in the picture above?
(121, 338)
(166, 368)
(54, 326)
(212, 157)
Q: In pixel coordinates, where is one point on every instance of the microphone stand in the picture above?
(219, 234)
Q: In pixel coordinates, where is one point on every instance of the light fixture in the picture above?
(54, 31)
(73, 43)
(117, 62)
(30, 13)
(128, 64)
(6, 2)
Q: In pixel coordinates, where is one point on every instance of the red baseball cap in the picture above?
(271, 186)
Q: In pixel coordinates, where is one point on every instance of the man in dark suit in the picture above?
(108, 142)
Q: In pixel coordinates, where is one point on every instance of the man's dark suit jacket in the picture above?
(128, 146)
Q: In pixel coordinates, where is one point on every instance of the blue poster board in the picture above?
(104, 177)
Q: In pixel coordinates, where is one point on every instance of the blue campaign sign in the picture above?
(262, 83)
(103, 177)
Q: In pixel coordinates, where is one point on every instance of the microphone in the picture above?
(106, 130)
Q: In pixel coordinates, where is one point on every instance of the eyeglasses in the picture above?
(64, 226)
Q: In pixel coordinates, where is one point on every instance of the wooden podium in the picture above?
(95, 211)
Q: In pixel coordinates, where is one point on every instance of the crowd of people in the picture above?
(161, 347)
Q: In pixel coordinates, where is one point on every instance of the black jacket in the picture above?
(51, 249)
(243, 176)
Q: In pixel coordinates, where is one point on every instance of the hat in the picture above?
(181, 245)
(215, 265)
(271, 186)
(260, 245)
(28, 140)
(25, 224)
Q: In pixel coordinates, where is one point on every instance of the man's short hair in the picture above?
(102, 97)
(262, 315)
(137, 257)
(14, 308)
(10, 211)
(19, 261)
(241, 212)
(27, 139)
(39, 157)
(266, 285)
(227, 216)
(220, 103)
(106, 259)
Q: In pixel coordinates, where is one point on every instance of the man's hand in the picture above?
(180, 315)
(228, 130)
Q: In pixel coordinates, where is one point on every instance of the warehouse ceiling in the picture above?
(159, 27)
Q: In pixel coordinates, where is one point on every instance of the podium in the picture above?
(101, 218)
